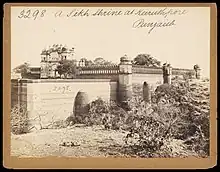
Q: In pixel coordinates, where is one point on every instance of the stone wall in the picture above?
(154, 75)
(99, 72)
(54, 99)
(112, 72)
(152, 79)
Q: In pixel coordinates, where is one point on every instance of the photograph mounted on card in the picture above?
(110, 85)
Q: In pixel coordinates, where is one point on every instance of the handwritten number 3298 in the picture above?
(32, 14)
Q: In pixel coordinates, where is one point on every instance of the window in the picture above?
(65, 57)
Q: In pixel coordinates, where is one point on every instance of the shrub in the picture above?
(98, 109)
(70, 120)
(154, 125)
(19, 120)
(178, 111)
(175, 123)
(104, 113)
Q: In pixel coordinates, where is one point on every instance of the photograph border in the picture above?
(108, 163)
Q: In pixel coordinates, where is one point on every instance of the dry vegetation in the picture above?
(19, 120)
(174, 124)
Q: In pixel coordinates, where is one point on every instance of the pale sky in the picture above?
(183, 45)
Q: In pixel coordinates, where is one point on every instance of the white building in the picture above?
(51, 58)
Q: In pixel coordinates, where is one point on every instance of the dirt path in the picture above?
(91, 141)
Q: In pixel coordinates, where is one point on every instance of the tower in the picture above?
(197, 71)
(50, 59)
(44, 72)
(125, 80)
(167, 73)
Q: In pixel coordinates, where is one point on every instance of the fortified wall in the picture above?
(53, 99)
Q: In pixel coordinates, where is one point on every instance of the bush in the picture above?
(70, 120)
(19, 120)
(175, 123)
(104, 113)
(154, 125)
(178, 112)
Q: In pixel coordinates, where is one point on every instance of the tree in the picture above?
(146, 59)
(101, 61)
(61, 70)
(87, 62)
(58, 48)
(23, 69)
(67, 68)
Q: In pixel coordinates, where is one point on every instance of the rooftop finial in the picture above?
(125, 59)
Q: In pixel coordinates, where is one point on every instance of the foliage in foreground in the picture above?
(176, 123)
(19, 120)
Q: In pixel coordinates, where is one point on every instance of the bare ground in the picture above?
(88, 141)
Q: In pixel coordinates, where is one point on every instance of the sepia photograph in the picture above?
(110, 82)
